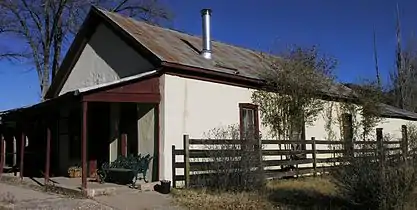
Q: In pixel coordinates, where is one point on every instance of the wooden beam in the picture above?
(186, 160)
(124, 145)
(22, 152)
(123, 97)
(313, 148)
(48, 153)
(2, 154)
(14, 153)
(158, 141)
(84, 145)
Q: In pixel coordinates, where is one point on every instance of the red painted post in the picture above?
(2, 155)
(124, 145)
(48, 153)
(84, 145)
(22, 152)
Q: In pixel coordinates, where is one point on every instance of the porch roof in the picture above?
(76, 95)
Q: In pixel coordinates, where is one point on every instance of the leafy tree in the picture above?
(291, 97)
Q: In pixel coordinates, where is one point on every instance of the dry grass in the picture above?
(306, 193)
(296, 194)
(202, 199)
(303, 193)
(318, 185)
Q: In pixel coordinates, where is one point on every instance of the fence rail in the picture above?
(198, 154)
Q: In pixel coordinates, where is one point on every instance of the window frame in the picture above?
(255, 109)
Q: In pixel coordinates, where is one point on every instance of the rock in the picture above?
(147, 186)
(91, 193)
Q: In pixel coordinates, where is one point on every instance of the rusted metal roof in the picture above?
(181, 48)
(184, 49)
(394, 112)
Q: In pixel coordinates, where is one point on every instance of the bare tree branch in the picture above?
(45, 28)
(119, 5)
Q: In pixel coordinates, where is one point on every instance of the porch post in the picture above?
(14, 143)
(124, 145)
(22, 151)
(84, 145)
(2, 153)
(48, 152)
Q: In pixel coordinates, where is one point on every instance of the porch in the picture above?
(84, 128)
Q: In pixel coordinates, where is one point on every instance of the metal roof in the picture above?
(177, 47)
(180, 48)
(394, 112)
(184, 49)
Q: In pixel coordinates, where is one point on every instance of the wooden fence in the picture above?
(317, 156)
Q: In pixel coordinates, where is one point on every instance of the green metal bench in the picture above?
(125, 170)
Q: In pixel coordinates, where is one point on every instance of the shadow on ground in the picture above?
(307, 199)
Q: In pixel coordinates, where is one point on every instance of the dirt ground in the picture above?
(19, 197)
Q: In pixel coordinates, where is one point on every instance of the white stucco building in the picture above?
(152, 85)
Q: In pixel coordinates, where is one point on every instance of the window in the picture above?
(249, 122)
(298, 133)
(347, 123)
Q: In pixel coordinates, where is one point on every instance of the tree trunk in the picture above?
(45, 80)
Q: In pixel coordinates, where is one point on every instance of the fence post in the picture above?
(174, 181)
(380, 142)
(187, 160)
(381, 157)
(348, 135)
(404, 142)
(313, 148)
(2, 154)
(260, 146)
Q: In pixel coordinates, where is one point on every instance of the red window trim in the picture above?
(255, 108)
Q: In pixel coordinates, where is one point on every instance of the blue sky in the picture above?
(340, 28)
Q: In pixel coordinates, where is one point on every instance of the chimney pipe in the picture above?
(206, 52)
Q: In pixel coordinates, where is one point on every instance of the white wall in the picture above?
(393, 127)
(105, 58)
(146, 134)
(194, 107)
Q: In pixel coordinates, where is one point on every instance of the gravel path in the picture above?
(127, 199)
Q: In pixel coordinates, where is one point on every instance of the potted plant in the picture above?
(74, 171)
(165, 187)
